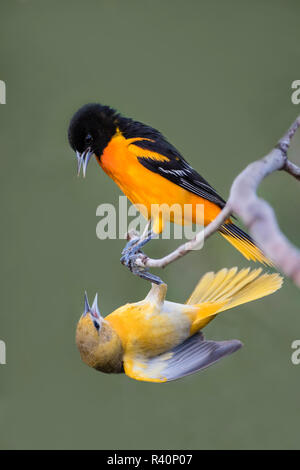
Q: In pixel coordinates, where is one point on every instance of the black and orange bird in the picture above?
(151, 173)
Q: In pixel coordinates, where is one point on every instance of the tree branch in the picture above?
(257, 215)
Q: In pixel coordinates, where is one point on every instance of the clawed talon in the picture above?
(129, 257)
(130, 254)
(129, 246)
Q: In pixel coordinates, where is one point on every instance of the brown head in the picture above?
(99, 345)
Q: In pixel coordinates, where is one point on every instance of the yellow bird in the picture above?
(158, 341)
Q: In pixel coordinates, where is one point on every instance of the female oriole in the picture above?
(157, 341)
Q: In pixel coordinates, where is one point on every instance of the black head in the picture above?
(90, 130)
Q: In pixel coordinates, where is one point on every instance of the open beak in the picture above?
(86, 305)
(83, 160)
(94, 309)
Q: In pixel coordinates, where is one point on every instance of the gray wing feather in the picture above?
(193, 355)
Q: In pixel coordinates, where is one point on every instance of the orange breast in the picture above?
(146, 188)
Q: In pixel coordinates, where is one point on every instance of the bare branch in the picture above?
(257, 214)
(292, 169)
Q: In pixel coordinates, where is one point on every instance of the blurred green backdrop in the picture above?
(213, 76)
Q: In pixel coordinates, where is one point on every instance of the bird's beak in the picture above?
(83, 160)
(87, 307)
(94, 309)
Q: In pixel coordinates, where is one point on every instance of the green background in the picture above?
(215, 77)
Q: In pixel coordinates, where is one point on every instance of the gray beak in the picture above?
(87, 307)
(83, 160)
(94, 309)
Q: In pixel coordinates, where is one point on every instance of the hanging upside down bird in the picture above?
(158, 341)
(151, 173)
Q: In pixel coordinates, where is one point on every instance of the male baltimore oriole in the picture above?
(150, 171)
(158, 341)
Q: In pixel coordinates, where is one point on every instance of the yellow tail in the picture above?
(243, 243)
(228, 288)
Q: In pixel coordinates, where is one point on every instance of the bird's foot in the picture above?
(134, 259)
(133, 239)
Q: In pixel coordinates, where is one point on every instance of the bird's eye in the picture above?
(88, 139)
(96, 325)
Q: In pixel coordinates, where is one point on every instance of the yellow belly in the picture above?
(146, 332)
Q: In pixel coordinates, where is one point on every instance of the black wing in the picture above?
(177, 170)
